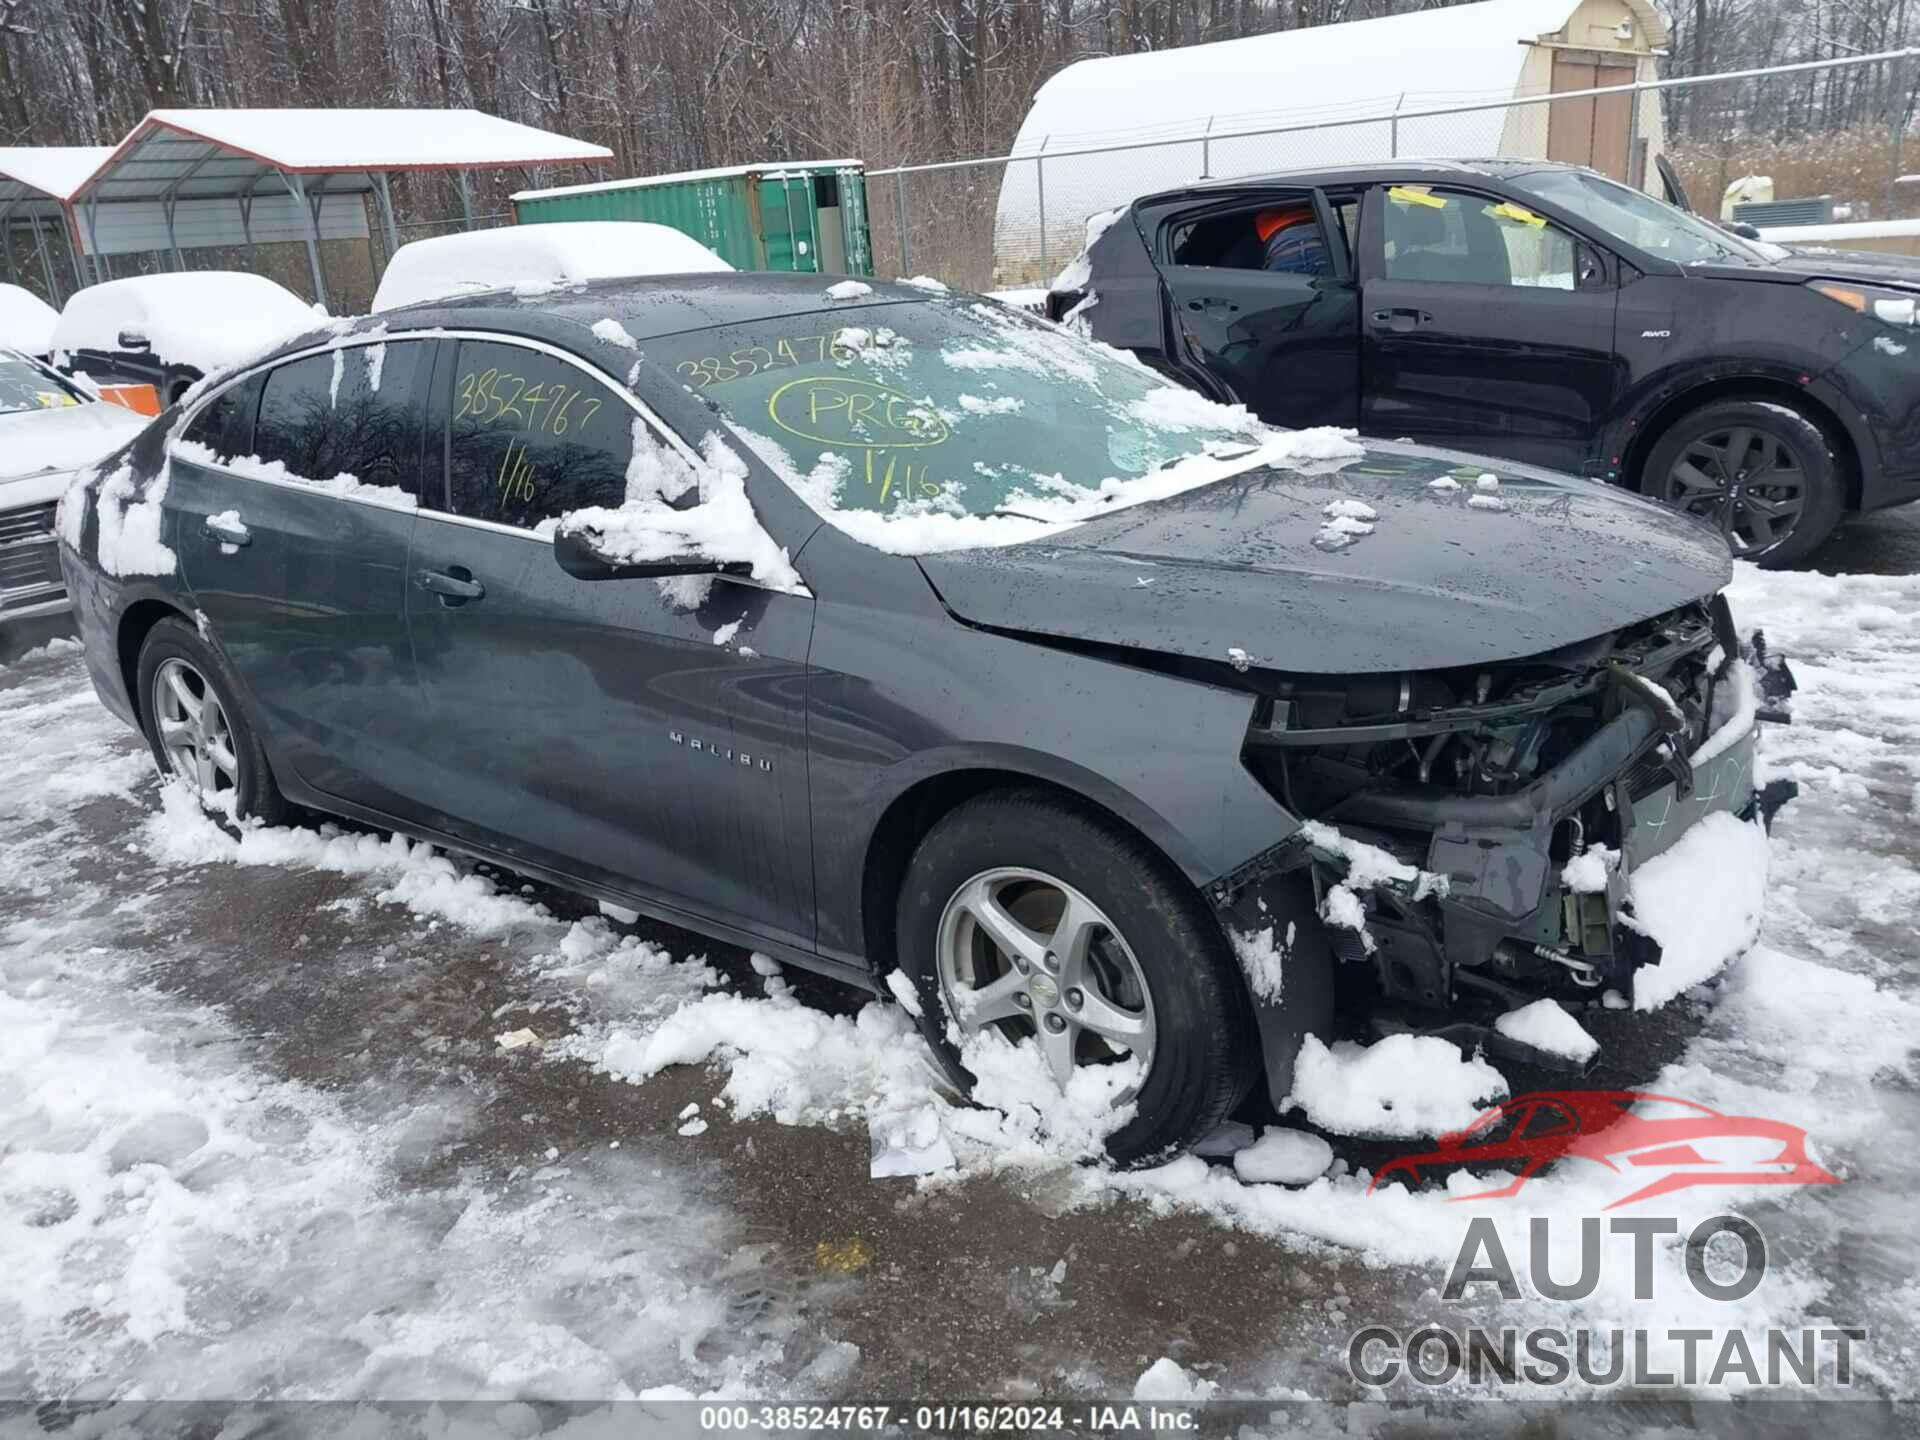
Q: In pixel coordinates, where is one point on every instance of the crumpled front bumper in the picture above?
(1490, 921)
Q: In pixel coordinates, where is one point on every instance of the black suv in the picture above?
(1537, 312)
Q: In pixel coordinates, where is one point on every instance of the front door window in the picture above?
(1433, 234)
(534, 437)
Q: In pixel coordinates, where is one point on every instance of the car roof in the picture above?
(1346, 172)
(648, 307)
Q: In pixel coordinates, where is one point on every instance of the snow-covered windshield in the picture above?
(27, 386)
(952, 406)
(1642, 221)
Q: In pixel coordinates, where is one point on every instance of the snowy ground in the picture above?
(260, 1136)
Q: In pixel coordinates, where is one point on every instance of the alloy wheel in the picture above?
(1027, 953)
(1748, 482)
(194, 730)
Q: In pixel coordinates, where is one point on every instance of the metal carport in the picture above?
(36, 182)
(190, 178)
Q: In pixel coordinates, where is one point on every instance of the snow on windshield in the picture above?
(25, 387)
(959, 423)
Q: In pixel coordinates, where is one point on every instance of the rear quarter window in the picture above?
(224, 424)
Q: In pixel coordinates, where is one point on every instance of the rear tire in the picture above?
(194, 725)
(1764, 473)
(1150, 964)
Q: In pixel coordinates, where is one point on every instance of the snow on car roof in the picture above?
(1320, 75)
(537, 259)
(26, 321)
(209, 319)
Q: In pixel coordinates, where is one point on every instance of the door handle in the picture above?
(454, 585)
(1213, 305)
(1401, 318)
(227, 533)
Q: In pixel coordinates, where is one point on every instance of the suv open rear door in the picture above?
(1283, 341)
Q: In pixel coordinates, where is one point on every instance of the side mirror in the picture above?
(1744, 230)
(133, 340)
(581, 554)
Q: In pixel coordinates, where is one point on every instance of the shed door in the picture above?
(1592, 131)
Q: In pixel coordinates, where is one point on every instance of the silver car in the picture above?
(50, 429)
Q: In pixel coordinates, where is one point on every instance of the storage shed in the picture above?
(805, 217)
(1360, 91)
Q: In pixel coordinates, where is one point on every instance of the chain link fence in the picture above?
(1831, 132)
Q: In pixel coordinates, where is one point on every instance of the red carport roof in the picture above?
(202, 154)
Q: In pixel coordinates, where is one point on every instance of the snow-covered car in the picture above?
(168, 330)
(49, 430)
(537, 259)
(26, 321)
(916, 641)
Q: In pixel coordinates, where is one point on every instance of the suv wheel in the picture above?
(1038, 918)
(196, 729)
(1763, 474)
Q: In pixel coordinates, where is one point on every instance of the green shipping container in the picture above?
(810, 217)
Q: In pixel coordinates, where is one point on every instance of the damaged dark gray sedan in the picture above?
(878, 629)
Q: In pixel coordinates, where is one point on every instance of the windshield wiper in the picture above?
(1016, 515)
(1223, 452)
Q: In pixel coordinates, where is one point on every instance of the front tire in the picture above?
(1046, 921)
(1763, 473)
(195, 727)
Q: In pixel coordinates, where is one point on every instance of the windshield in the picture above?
(1640, 220)
(27, 385)
(955, 406)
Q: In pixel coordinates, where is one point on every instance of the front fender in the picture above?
(897, 700)
(1664, 396)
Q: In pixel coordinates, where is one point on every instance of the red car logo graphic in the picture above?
(1691, 1144)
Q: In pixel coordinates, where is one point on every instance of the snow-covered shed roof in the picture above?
(47, 172)
(217, 153)
(1423, 60)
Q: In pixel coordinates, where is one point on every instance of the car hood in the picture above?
(1862, 265)
(1796, 268)
(1239, 566)
(36, 442)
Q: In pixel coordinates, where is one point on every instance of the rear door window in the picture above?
(1279, 233)
(532, 436)
(355, 411)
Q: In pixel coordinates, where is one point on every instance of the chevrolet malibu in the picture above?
(881, 629)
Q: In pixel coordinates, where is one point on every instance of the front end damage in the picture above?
(1470, 836)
